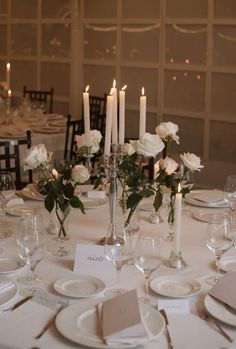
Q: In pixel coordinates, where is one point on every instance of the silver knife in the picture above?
(21, 302)
(169, 340)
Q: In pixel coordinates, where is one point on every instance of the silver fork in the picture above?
(63, 305)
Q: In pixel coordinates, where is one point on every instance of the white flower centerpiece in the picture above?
(58, 183)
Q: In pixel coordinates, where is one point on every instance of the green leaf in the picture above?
(157, 201)
(133, 200)
(68, 190)
(49, 202)
(58, 166)
(67, 174)
(77, 203)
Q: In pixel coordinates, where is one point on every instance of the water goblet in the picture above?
(30, 239)
(230, 192)
(218, 240)
(119, 250)
(147, 260)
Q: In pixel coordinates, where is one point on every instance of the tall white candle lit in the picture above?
(107, 145)
(8, 75)
(122, 115)
(86, 117)
(178, 210)
(114, 114)
(142, 120)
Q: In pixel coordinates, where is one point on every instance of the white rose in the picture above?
(191, 161)
(36, 156)
(129, 149)
(80, 174)
(169, 165)
(95, 138)
(149, 145)
(166, 130)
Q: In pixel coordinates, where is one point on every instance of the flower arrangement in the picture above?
(58, 183)
(3, 89)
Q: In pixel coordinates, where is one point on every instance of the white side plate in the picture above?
(21, 210)
(10, 265)
(228, 263)
(175, 286)
(219, 311)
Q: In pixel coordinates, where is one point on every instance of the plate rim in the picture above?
(10, 209)
(172, 277)
(76, 277)
(22, 265)
(190, 201)
(82, 309)
(208, 299)
(226, 258)
(15, 288)
(103, 202)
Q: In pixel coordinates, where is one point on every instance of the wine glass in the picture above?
(119, 249)
(230, 192)
(147, 260)
(218, 240)
(7, 189)
(30, 239)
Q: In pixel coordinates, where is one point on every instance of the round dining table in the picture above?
(19, 327)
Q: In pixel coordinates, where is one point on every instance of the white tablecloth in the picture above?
(18, 328)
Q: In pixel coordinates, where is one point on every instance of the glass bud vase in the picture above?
(62, 227)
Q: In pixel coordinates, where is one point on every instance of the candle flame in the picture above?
(114, 83)
(87, 88)
(124, 87)
(179, 188)
(8, 66)
(142, 91)
(9, 93)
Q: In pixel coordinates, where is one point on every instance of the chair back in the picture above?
(42, 97)
(73, 128)
(10, 157)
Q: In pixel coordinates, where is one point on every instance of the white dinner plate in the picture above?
(79, 286)
(9, 292)
(206, 216)
(191, 198)
(175, 286)
(219, 311)
(228, 263)
(10, 265)
(93, 202)
(22, 210)
(30, 194)
(80, 324)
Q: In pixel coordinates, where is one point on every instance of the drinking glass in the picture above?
(7, 189)
(30, 239)
(218, 240)
(119, 250)
(147, 260)
(230, 192)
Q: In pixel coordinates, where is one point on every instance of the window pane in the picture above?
(100, 9)
(23, 73)
(222, 148)
(135, 79)
(100, 41)
(24, 39)
(132, 123)
(225, 9)
(24, 8)
(186, 44)
(3, 39)
(56, 40)
(223, 93)
(99, 79)
(140, 43)
(186, 8)
(3, 9)
(141, 9)
(56, 9)
(184, 90)
(224, 45)
(56, 75)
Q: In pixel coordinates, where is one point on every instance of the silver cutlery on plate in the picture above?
(169, 339)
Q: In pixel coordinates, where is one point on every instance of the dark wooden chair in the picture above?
(42, 98)
(73, 127)
(10, 158)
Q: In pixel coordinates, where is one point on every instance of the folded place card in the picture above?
(211, 196)
(97, 194)
(224, 290)
(174, 306)
(121, 317)
(91, 260)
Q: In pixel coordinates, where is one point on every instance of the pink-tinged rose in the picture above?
(80, 174)
(168, 130)
(36, 156)
(169, 165)
(191, 161)
(149, 145)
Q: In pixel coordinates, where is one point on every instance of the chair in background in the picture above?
(44, 99)
(73, 128)
(97, 107)
(10, 158)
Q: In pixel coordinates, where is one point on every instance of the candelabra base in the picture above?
(176, 261)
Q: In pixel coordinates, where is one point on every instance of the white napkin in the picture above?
(126, 336)
(100, 194)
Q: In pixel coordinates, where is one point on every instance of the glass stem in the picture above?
(146, 287)
(118, 269)
(218, 265)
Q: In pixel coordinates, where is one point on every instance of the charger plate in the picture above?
(80, 323)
